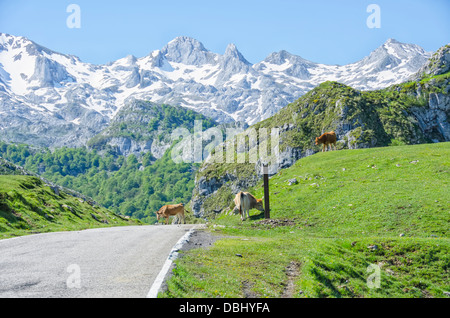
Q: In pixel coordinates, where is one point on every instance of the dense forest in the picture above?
(135, 184)
(126, 185)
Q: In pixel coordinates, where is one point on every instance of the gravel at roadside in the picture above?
(201, 238)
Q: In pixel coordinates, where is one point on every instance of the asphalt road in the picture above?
(107, 262)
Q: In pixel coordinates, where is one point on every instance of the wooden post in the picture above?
(266, 192)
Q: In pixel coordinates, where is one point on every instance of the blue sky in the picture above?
(325, 31)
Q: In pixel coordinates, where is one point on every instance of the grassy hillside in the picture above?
(379, 191)
(414, 112)
(351, 211)
(136, 187)
(365, 119)
(137, 184)
(27, 205)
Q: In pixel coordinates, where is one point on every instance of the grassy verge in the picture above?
(28, 206)
(351, 214)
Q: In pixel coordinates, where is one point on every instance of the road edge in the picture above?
(156, 286)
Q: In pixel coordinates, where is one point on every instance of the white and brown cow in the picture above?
(245, 202)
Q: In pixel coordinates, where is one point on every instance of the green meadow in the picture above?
(29, 206)
(355, 223)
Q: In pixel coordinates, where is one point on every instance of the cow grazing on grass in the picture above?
(170, 210)
(327, 139)
(245, 202)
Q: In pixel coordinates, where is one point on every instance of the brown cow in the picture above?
(245, 202)
(171, 209)
(327, 139)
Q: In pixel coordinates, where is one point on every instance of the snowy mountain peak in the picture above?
(7, 39)
(42, 91)
(128, 60)
(391, 41)
(183, 40)
(187, 50)
(278, 58)
(282, 57)
(399, 59)
(401, 50)
(232, 52)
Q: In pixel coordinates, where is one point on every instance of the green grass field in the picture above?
(352, 214)
(28, 206)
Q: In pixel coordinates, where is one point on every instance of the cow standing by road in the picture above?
(172, 209)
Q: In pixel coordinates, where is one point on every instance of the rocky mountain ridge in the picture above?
(53, 99)
(413, 112)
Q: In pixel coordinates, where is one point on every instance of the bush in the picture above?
(396, 142)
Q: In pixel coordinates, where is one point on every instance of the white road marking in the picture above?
(153, 292)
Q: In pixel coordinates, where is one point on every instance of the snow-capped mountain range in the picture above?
(53, 99)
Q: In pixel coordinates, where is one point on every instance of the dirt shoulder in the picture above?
(200, 238)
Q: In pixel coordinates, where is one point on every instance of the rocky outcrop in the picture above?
(434, 120)
(142, 127)
(206, 189)
(439, 63)
(214, 192)
(413, 112)
(434, 84)
(127, 146)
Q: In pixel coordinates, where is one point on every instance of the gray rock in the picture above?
(188, 51)
(55, 190)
